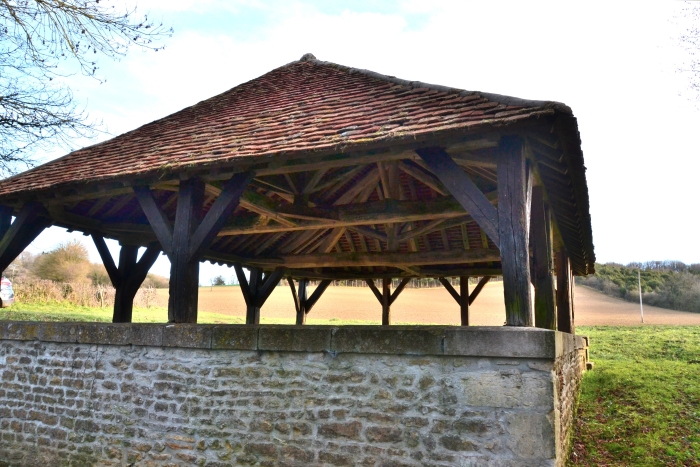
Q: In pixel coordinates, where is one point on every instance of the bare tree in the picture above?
(690, 40)
(42, 40)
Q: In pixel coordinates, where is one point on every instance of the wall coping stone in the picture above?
(475, 341)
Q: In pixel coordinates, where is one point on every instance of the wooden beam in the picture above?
(542, 261)
(479, 287)
(311, 301)
(386, 301)
(446, 283)
(514, 192)
(565, 319)
(374, 289)
(267, 286)
(31, 220)
(458, 183)
(156, 218)
(362, 214)
(397, 291)
(218, 213)
(6, 213)
(107, 259)
(386, 259)
(423, 177)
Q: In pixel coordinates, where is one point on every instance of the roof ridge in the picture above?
(499, 98)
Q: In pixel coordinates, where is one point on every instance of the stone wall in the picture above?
(155, 395)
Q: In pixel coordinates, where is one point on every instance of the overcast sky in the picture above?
(614, 63)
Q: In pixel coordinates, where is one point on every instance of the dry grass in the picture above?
(433, 306)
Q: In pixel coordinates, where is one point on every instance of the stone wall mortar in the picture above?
(69, 404)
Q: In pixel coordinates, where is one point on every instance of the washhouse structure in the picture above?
(319, 172)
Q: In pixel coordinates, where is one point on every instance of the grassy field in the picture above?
(641, 403)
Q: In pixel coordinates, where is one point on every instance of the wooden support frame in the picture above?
(465, 191)
(542, 262)
(190, 236)
(386, 297)
(303, 303)
(257, 289)
(463, 298)
(514, 193)
(565, 303)
(128, 276)
(31, 220)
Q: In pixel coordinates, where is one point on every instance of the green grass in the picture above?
(641, 403)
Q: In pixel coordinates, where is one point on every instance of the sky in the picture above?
(616, 64)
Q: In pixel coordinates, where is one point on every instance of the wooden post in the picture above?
(184, 272)
(464, 300)
(514, 192)
(543, 263)
(302, 301)
(386, 301)
(191, 234)
(565, 321)
(128, 277)
(256, 290)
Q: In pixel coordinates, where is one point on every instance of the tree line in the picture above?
(666, 284)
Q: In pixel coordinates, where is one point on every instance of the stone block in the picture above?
(397, 340)
(235, 337)
(295, 338)
(531, 434)
(20, 330)
(59, 332)
(146, 334)
(511, 342)
(508, 389)
(191, 336)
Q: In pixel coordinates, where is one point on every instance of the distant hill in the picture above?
(666, 284)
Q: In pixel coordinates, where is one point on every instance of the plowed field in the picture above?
(433, 306)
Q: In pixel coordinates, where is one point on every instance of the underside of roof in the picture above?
(332, 149)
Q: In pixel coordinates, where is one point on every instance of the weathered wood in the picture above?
(31, 220)
(514, 192)
(565, 322)
(302, 301)
(397, 291)
(446, 283)
(458, 183)
(479, 287)
(386, 301)
(6, 213)
(423, 177)
(387, 259)
(128, 276)
(374, 289)
(464, 300)
(257, 289)
(543, 264)
(218, 213)
(370, 213)
(156, 218)
(184, 271)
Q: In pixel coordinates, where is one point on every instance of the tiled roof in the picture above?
(303, 107)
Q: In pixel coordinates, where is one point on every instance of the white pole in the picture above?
(641, 307)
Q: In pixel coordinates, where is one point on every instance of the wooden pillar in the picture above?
(128, 276)
(514, 192)
(190, 235)
(257, 289)
(543, 263)
(184, 271)
(302, 301)
(386, 301)
(565, 322)
(31, 220)
(386, 297)
(464, 300)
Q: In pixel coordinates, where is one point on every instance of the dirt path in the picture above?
(436, 306)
